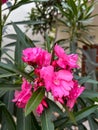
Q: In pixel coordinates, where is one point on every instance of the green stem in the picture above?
(3, 22)
(10, 10)
(71, 115)
(0, 27)
(54, 42)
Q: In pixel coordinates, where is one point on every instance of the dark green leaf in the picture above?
(25, 41)
(92, 123)
(85, 112)
(8, 118)
(46, 121)
(26, 123)
(34, 101)
(24, 22)
(89, 94)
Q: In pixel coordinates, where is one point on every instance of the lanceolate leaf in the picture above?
(85, 112)
(8, 118)
(46, 121)
(89, 94)
(8, 67)
(93, 125)
(34, 100)
(54, 108)
(26, 22)
(22, 42)
(22, 37)
(7, 75)
(26, 123)
(23, 2)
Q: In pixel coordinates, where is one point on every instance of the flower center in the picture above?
(56, 81)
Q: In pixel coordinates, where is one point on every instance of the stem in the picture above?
(0, 27)
(10, 10)
(3, 22)
(54, 42)
(71, 115)
(73, 40)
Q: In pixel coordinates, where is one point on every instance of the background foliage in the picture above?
(76, 17)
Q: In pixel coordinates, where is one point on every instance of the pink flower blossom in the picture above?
(22, 97)
(36, 57)
(58, 83)
(65, 61)
(74, 94)
(4, 1)
(41, 107)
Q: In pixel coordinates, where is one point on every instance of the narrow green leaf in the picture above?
(21, 37)
(92, 81)
(23, 2)
(85, 112)
(48, 43)
(11, 36)
(54, 107)
(73, 6)
(71, 116)
(2, 92)
(30, 22)
(34, 101)
(7, 75)
(46, 122)
(92, 124)
(81, 127)
(11, 44)
(9, 87)
(10, 67)
(8, 118)
(18, 54)
(26, 123)
(89, 94)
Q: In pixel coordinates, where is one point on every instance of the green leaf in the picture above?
(2, 92)
(25, 41)
(18, 54)
(23, 2)
(46, 122)
(7, 75)
(11, 36)
(26, 123)
(71, 116)
(8, 67)
(48, 43)
(73, 6)
(93, 125)
(89, 94)
(24, 22)
(34, 101)
(92, 81)
(10, 44)
(85, 112)
(54, 108)
(8, 118)
(22, 42)
(8, 86)
(81, 127)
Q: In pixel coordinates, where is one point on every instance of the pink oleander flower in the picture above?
(65, 61)
(22, 97)
(4, 1)
(74, 94)
(41, 107)
(36, 57)
(58, 83)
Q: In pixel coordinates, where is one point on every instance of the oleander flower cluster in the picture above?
(54, 73)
